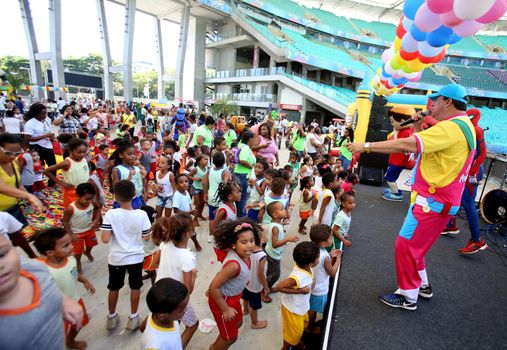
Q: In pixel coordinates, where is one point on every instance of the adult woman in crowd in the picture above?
(221, 125)
(69, 126)
(298, 139)
(265, 144)
(345, 154)
(244, 167)
(39, 135)
(203, 135)
(11, 189)
(129, 119)
(230, 134)
(313, 143)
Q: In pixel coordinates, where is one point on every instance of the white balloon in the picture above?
(471, 9)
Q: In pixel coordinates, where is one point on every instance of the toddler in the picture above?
(341, 224)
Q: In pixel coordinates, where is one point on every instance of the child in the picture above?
(178, 262)
(182, 203)
(151, 251)
(101, 160)
(100, 197)
(197, 175)
(256, 288)
(276, 242)
(307, 168)
(190, 161)
(296, 293)
(125, 227)
(167, 300)
(277, 189)
(238, 237)
(305, 203)
(25, 164)
(38, 312)
(256, 188)
(55, 245)
(124, 169)
(74, 168)
(327, 267)
(144, 156)
(228, 194)
(38, 179)
(348, 186)
(341, 224)
(326, 202)
(166, 185)
(342, 176)
(80, 219)
(171, 150)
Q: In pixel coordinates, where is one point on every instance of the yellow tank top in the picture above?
(7, 201)
(78, 172)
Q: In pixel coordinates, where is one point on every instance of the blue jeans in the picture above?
(243, 184)
(345, 162)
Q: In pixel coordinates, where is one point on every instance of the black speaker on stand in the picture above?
(372, 166)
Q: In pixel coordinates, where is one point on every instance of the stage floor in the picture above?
(469, 306)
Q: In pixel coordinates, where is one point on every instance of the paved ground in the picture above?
(469, 307)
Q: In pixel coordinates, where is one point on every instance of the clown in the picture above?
(398, 161)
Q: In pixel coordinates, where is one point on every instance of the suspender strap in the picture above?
(466, 131)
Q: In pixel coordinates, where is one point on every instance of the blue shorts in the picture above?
(165, 202)
(196, 190)
(212, 212)
(137, 203)
(253, 214)
(254, 299)
(393, 173)
(318, 303)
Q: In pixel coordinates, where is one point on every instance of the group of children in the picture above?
(155, 240)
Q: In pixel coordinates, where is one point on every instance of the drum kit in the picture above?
(493, 205)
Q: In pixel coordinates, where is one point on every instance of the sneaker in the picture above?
(398, 300)
(112, 322)
(426, 292)
(386, 190)
(473, 247)
(389, 196)
(133, 323)
(450, 231)
(211, 239)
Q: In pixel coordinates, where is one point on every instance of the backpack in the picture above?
(235, 155)
(180, 118)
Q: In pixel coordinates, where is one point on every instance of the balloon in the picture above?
(416, 76)
(395, 64)
(426, 20)
(417, 34)
(389, 69)
(388, 54)
(471, 9)
(410, 8)
(468, 27)
(440, 37)
(427, 50)
(400, 60)
(407, 23)
(397, 44)
(408, 56)
(449, 19)
(494, 13)
(400, 81)
(384, 73)
(431, 59)
(400, 31)
(440, 6)
(408, 43)
(455, 38)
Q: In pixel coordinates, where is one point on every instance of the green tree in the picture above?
(225, 107)
(16, 69)
(91, 64)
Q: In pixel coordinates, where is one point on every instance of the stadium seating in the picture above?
(264, 30)
(493, 40)
(384, 31)
(467, 44)
(330, 19)
(496, 120)
(500, 75)
(477, 78)
(341, 95)
(430, 77)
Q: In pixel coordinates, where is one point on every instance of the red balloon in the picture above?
(408, 56)
(400, 31)
(426, 60)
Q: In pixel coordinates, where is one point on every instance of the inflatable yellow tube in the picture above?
(362, 108)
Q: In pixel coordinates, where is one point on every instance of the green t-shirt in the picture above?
(344, 151)
(245, 154)
(230, 136)
(204, 132)
(299, 141)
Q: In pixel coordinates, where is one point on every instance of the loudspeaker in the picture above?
(371, 176)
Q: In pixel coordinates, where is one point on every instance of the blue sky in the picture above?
(80, 34)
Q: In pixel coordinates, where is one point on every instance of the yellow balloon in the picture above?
(397, 44)
(400, 60)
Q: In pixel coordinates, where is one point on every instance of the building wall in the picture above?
(288, 96)
(226, 59)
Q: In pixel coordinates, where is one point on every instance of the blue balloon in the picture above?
(410, 8)
(455, 38)
(417, 34)
(440, 36)
(400, 81)
(384, 73)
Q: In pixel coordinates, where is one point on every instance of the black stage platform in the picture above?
(469, 306)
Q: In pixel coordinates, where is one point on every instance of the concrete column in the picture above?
(182, 47)
(318, 75)
(160, 58)
(256, 52)
(304, 72)
(128, 43)
(333, 79)
(55, 45)
(200, 60)
(289, 67)
(272, 62)
(106, 51)
(31, 40)
(302, 116)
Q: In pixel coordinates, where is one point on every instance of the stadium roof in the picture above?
(388, 11)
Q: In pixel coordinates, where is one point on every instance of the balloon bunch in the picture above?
(424, 34)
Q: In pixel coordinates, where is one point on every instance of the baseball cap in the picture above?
(452, 91)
